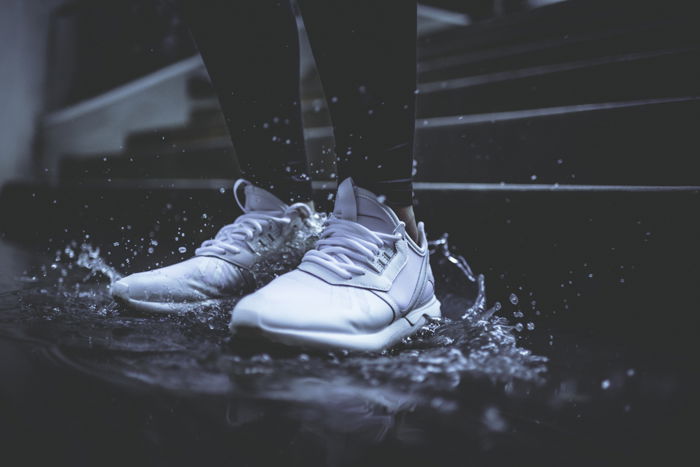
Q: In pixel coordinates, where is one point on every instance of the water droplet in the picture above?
(493, 420)
(513, 299)
(605, 384)
(182, 249)
(530, 326)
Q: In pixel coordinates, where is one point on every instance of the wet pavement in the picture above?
(582, 355)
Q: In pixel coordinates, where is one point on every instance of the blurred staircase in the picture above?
(581, 92)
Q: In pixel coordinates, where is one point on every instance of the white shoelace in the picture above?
(344, 244)
(233, 237)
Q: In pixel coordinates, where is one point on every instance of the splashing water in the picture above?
(471, 341)
(89, 258)
(83, 256)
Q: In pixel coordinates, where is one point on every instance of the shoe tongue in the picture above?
(257, 199)
(362, 206)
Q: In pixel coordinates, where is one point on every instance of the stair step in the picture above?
(204, 163)
(648, 142)
(666, 73)
(637, 143)
(594, 144)
(467, 56)
(207, 125)
(175, 138)
(589, 18)
(586, 45)
(207, 116)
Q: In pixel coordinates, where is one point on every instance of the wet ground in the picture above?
(583, 355)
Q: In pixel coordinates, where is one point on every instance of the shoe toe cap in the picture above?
(246, 313)
(120, 289)
(151, 286)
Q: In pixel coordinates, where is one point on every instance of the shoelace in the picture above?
(344, 244)
(233, 237)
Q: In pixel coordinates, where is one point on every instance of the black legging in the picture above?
(365, 51)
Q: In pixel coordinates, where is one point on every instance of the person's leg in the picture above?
(366, 54)
(250, 48)
(367, 283)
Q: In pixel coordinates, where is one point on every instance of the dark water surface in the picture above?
(584, 352)
(91, 382)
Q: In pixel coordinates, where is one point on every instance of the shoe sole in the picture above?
(173, 308)
(406, 326)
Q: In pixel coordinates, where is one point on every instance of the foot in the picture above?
(269, 237)
(365, 286)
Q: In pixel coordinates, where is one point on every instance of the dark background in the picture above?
(556, 144)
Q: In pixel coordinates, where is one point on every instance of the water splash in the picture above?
(442, 247)
(83, 256)
(195, 352)
(90, 259)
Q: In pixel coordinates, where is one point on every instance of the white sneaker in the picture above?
(270, 237)
(365, 286)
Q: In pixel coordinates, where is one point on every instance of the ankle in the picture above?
(408, 217)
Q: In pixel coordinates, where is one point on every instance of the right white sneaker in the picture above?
(268, 239)
(365, 286)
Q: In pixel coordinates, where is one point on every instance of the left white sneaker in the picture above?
(365, 286)
(267, 238)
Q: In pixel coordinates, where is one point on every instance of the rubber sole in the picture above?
(173, 308)
(403, 327)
